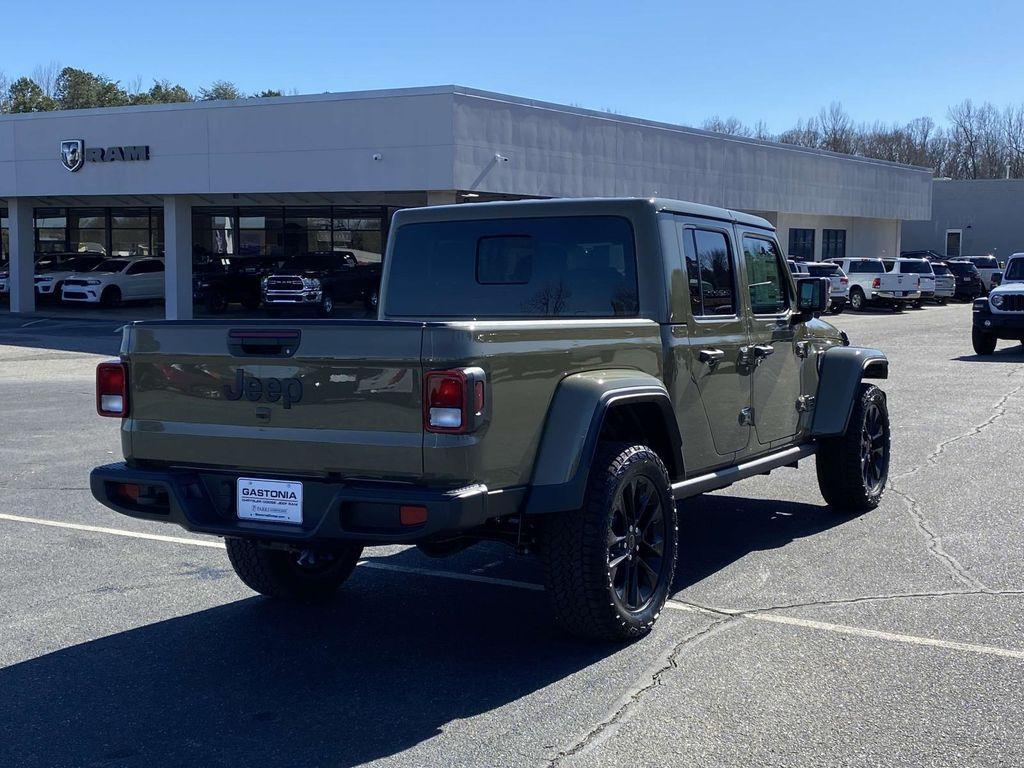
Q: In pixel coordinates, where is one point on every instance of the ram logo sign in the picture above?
(73, 153)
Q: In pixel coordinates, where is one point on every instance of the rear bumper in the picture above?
(203, 501)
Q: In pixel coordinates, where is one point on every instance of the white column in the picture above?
(178, 257)
(441, 197)
(23, 248)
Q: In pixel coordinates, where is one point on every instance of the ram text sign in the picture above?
(74, 153)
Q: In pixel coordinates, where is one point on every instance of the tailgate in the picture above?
(308, 397)
(898, 282)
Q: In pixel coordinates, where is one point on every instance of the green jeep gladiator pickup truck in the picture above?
(551, 374)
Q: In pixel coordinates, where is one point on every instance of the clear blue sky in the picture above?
(775, 60)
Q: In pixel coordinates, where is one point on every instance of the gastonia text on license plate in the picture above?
(278, 501)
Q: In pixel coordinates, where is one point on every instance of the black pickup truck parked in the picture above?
(229, 280)
(319, 280)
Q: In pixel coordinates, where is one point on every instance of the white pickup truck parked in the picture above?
(921, 268)
(871, 283)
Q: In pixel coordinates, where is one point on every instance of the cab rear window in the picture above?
(578, 266)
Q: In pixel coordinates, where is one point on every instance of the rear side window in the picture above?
(566, 266)
(767, 282)
(865, 266)
(1015, 270)
(709, 272)
(822, 270)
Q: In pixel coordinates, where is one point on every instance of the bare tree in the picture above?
(837, 133)
(45, 76)
(731, 126)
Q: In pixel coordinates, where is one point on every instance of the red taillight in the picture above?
(410, 515)
(876, 283)
(445, 398)
(454, 401)
(844, 280)
(112, 389)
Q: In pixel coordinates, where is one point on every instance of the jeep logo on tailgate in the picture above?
(288, 391)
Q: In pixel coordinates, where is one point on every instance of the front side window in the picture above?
(801, 244)
(1014, 270)
(766, 278)
(710, 273)
(566, 266)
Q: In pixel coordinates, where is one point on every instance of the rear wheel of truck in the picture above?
(857, 302)
(983, 343)
(305, 575)
(609, 565)
(853, 467)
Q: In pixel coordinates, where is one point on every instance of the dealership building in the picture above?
(278, 178)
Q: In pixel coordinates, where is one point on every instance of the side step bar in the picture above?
(725, 477)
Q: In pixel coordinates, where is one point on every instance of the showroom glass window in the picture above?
(87, 230)
(213, 233)
(833, 244)
(5, 237)
(801, 244)
(130, 232)
(286, 232)
(51, 230)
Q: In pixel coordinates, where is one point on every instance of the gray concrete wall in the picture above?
(441, 138)
(553, 151)
(990, 212)
(288, 144)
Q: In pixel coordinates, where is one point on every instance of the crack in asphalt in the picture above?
(934, 545)
(1000, 412)
(934, 542)
(671, 659)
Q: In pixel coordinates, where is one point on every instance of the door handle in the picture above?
(761, 351)
(711, 357)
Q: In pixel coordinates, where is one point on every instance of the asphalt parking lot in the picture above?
(794, 636)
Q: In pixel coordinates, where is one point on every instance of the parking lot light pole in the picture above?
(22, 242)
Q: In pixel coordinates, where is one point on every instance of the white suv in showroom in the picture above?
(116, 280)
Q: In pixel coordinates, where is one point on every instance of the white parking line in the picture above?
(773, 618)
(112, 531)
(843, 629)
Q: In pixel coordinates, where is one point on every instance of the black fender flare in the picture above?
(840, 373)
(573, 427)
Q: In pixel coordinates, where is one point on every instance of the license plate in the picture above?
(275, 501)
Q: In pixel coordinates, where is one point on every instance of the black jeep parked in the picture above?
(319, 280)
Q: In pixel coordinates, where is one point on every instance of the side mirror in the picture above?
(812, 295)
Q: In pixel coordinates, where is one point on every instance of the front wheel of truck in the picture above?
(609, 565)
(304, 575)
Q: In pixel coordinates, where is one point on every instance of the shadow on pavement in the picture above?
(715, 531)
(382, 668)
(1010, 354)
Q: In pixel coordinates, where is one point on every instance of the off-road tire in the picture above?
(111, 297)
(326, 306)
(575, 547)
(840, 460)
(217, 302)
(983, 343)
(858, 301)
(276, 572)
(371, 301)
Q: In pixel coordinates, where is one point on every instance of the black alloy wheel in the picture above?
(636, 544)
(874, 449)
